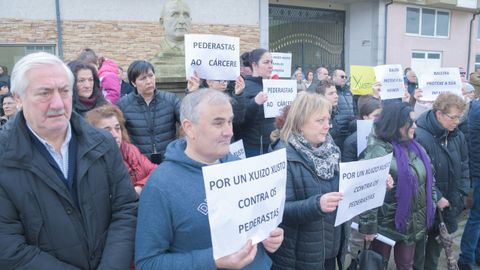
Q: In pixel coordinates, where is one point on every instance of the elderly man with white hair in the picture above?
(66, 201)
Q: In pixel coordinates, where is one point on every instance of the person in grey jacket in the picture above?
(173, 229)
(66, 201)
(311, 239)
(151, 115)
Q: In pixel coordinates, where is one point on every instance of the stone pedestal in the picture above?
(172, 84)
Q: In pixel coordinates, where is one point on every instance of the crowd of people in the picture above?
(85, 144)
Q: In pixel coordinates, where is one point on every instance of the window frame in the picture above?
(420, 21)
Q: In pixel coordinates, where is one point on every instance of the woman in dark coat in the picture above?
(255, 130)
(438, 133)
(311, 239)
(408, 208)
(87, 94)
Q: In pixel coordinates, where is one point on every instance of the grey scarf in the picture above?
(324, 159)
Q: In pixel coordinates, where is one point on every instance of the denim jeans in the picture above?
(471, 233)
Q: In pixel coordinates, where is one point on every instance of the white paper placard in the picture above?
(440, 80)
(251, 193)
(282, 64)
(364, 128)
(280, 94)
(213, 57)
(237, 149)
(391, 77)
(364, 184)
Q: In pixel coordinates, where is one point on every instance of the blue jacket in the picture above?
(344, 117)
(173, 229)
(151, 127)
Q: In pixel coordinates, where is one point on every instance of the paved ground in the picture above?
(442, 263)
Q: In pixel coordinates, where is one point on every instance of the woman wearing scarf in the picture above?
(86, 89)
(408, 208)
(311, 239)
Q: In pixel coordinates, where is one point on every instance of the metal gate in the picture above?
(315, 37)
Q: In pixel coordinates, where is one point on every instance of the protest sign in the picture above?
(361, 80)
(364, 128)
(391, 77)
(364, 184)
(439, 80)
(237, 149)
(245, 200)
(213, 57)
(282, 64)
(280, 94)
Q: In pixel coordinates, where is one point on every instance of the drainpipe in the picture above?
(59, 29)
(385, 37)
(470, 42)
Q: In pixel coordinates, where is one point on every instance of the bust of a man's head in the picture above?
(175, 19)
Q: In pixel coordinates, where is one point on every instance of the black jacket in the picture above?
(310, 234)
(151, 127)
(255, 130)
(40, 225)
(344, 116)
(449, 156)
(474, 145)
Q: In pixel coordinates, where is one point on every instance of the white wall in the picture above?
(364, 33)
(244, 12)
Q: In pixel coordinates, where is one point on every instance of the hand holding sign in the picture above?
(273, 242)
(329, 201)
(239, 259)
(193, 83)
(261, 98)
(239, 85)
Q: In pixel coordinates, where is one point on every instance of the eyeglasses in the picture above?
(453, 117)
(221, 81)
(343, 76)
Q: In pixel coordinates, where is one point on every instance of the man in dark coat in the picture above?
(437, 131)
(471, 233)
(66, 200)
(346, 109)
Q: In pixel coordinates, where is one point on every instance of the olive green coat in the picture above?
(382, 220)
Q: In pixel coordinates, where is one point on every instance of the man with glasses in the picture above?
(437, 131)
(346, 107)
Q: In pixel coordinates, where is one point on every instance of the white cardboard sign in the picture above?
(282, 64)
(364, 184)
(364, 128)
(237, 149)
(391, 77)
(213, 57)
(440, 80)
(245, 200)
(280, 94)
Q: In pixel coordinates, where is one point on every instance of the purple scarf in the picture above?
(407, 183)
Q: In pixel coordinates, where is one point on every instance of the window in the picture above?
(477, 61)
(11, 53)
(427, 22)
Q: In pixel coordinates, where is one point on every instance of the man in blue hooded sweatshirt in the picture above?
(173, 230)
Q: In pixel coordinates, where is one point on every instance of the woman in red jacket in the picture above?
(110, 118)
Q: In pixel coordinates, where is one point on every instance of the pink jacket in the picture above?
(139, 167)
(109, 80)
